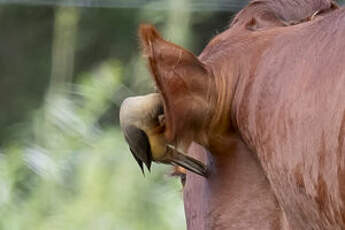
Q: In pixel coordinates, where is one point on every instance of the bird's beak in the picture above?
(187, 162)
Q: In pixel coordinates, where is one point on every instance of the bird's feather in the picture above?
(139, 145)
(140, 163)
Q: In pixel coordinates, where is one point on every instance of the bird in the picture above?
(142, 124)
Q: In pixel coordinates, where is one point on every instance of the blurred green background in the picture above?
(63, 74)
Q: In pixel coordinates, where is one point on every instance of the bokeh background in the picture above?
(65, 67)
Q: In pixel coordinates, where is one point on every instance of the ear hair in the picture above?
(148, 34)
(154, 46)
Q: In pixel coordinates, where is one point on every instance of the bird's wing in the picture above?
(140, 163)
(139, 145)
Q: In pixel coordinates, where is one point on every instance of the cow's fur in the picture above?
(267, 100)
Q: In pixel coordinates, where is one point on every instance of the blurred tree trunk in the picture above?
(177, 28)
(63, 50)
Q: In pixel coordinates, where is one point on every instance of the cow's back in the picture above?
(292, 112)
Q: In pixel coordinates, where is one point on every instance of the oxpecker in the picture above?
(142, 123)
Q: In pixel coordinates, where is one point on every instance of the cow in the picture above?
(263, 107)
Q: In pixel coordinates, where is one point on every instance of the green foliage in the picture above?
(70, 173)
(64, 73)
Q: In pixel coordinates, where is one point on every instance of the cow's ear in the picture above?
(174, 69)
(181, 79)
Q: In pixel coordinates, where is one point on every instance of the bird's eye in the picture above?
(160, 109)
(179, 172)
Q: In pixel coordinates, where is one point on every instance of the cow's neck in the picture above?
(230, 68)
(236, 194)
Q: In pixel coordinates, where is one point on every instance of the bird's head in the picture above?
(143, 125)
(141, 121)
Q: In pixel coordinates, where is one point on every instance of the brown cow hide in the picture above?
(269, 106)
